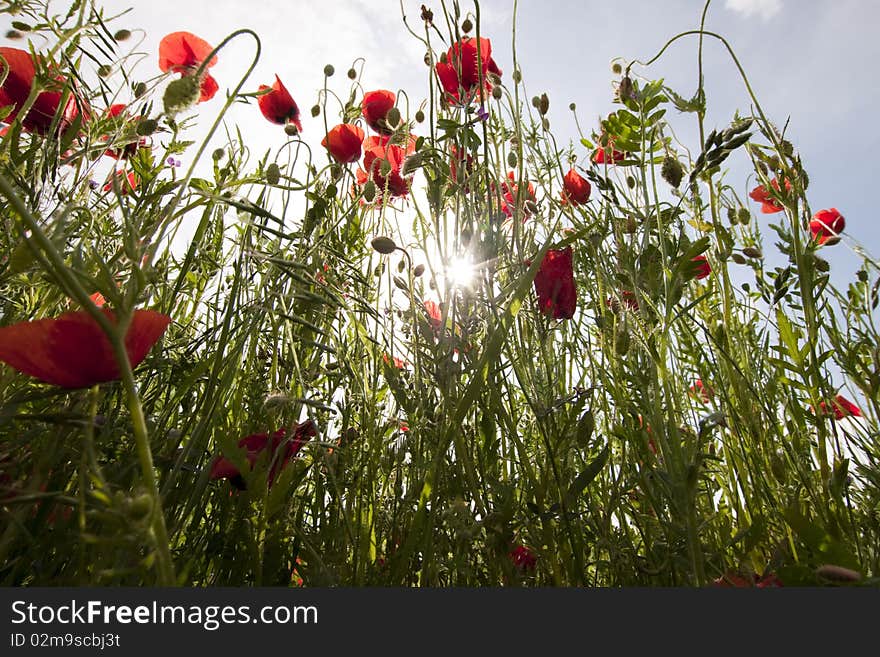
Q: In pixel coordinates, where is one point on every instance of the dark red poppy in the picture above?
(17, 87)
(762, 195)
(127, 182)
(344, 142)
(130, 148)
(464, 74)
(827, 225)
(375, 108)
(510, 192)
(554, 284)
(72, 351)
(702, 268)
(575, 189)
(378, 150)
(183, 52)
(278, 106)
(842, 408)
(524, 560)
(280, 449)
(629, 300)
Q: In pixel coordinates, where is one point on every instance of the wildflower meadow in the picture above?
(440, 348)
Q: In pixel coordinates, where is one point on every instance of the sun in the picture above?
(460, 272)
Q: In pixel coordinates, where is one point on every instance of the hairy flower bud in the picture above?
(384, 245)
(121, 35)
(672, 171)
(273, 174)
(316, 110)
(467, 25)
(181, 94)
(752, 252)
(420, 116)
(329, 70)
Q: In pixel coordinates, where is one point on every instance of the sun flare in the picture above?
(460, 272)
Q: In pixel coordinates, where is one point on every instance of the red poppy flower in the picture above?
(435, 314)
(72, 351)
(523, 558)
(629, 300)
(702, 267)
(703, 392)
(344, 142)
(98, 299)
(842, 408)
(280, 450)
(608, 154)
(509, 194)
(762, 195)
(458, 159)
(129, 149)
(17, 87)
(399, 363)
(575, 189)
(184, 52)
(375, 108)
(465, 70)
(554, 284)
(127, 183)
(827, 225)
(378, 150)
(278, 105)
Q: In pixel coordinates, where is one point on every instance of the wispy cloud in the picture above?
(766, 9)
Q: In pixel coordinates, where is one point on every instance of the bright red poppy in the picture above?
(510, 192)
(184, 52)
(608, 154)
(72, 351)
(278, 106)
(124, 150)
(375, 108)
(702, 268)
(399, 363)
(842, 408)
(575, 189)
(98, 299)
(379, 149)
(460, 160)
(464, 74)
(17, 87)
(344, 142)
(523, 558)
(281, 450)
(702, 392)
(826, 225)
(435, 314)
(629, 300)
(127, 182)
(762, 195)
(554, 284)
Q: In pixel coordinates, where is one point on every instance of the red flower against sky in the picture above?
(523, 558)
(466, 70)
(575, 188)
(278, 106)
(459, 160)
(129, 149)
(554, 284)
(702, 267)
(344, 142)
(702, 392)
(827, 224)
(510, 192)
(608, 154)
(435, 314)
(17, 87)
(127, 182)
(280, 449)
(762, 195)
(399, 363)
(378, 150)
(375, 107)
(72, 351)
(183, 52)
(842, 408)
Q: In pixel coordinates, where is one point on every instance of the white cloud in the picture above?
(766, 9)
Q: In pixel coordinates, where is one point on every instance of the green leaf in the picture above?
(587, 476)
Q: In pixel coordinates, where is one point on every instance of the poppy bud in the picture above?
(401, 266)
(511, 159)
(316, 110)
(335, 172)
(420, 116)
(862, 275)
(516, 75)
(731, 216)
(104, 70)
(181, 94)
(146, 127)
(410, 164)
(20, 26)
(752, 252)
(616, 68)
(530, 206)
(744, 216)
(536, 102)
(497, 93)
(385, 168)
(384, 245)
(14, 35)
(419, 270)
(290, 130)
(139, 89)
(352, 74)
(630, 182)
(400, 283)
(821, 264)
(467, 25)
(672, 171)
(369, 191)
(543, 104)
(273, 174)
(329, 70)
(218, 154)
(738, 259)
(546, 124)
(393, 117)
(331, 191)
(121, 35)
(572, 107)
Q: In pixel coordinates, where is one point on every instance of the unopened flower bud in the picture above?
(737, 258)
(352, 74)
(545, 123)
(744, 216)
(530, 206)
(401, 265)
(21, 26)
(14, 35)
(369, 191)
(418, 270)
(273, 174)
(392, 118)
(543, 104)
(384, 245)
(139, 89)
(516, 76)
(511, 159)
(572, 107)
(218, 154)
(821, 264)
(420, 116)
(752, 252)
(385, 168)
(497, 93)
(146, 127)
(121, 35)
(467, 25)
(316, 110)
(400, 283)
(672, 171)
(616, 68)
(104, 70)
(181, 94)
(411, 164)
(291, 130)
(329, 70)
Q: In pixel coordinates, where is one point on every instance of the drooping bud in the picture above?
(369, 191)
(616, 68)
(572, 107)
(392, 118)
(316, 110)
(497, 93)
(672, 171)
(181, 94)
(752, 252)
(516, 76)
(467, 25)
(511, 159)
(352, 74)
(543, 104)
(418, 270)
(121, 35)
(420, 116)
(273, 174)
(384, 245)
(744, 216)
(329, 70)
(139, 89)
(218, 154)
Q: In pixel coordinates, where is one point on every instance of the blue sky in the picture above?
(808, 60)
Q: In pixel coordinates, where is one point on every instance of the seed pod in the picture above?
(273, 174)
(384, 245)
(291, 130)
(329, 70)
(752, 252)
